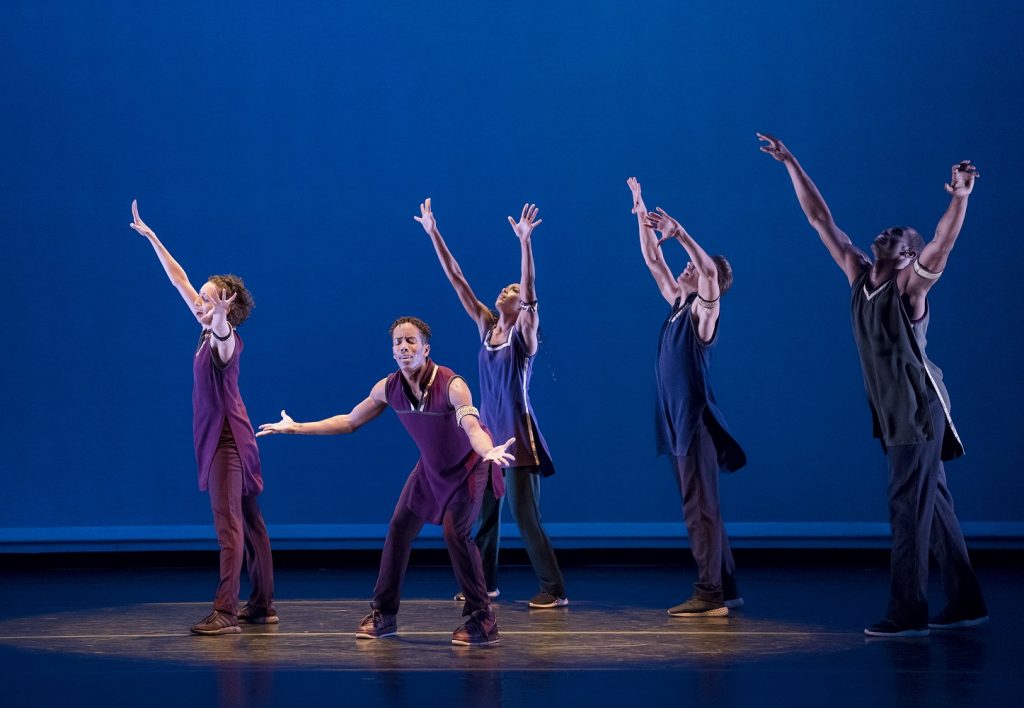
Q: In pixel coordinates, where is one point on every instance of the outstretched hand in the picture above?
(498, 453)
(638, 201)
(426, 217)
(660, 221)
(774, 147)
(221, 306)
(962, 182)
(285, 425)
(528, 221)
(138, 224)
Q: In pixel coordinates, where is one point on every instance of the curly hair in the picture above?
(724, 274)
(241, 308)
(416, 322)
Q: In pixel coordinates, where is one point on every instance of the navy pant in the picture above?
(522, 488)
(458, 526)
(241, 532)
(697, 475)
(922, 519)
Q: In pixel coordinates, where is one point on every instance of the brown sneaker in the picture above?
(217, 622)
(255, 615)
(480, 630)
(377, 625)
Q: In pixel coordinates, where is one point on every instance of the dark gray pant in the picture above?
(922, 518)
(522, 488)
(697, 475)
(457, 524)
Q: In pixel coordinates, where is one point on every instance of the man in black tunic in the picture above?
(909, 403)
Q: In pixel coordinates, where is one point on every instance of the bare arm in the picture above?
(529, 319)
(707, 271)
(653, 256)
(365, 411)
(476, 310)
(849, 258)
(175, 273)
(915, 285)
(216, 320)
(460, 397)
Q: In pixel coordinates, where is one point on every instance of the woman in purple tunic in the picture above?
(226, 452)
(445, 487)
(508, 346)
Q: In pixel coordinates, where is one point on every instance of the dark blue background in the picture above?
(291, 143)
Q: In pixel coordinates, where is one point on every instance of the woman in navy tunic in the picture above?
(508, 345)
(226, 452)
(688, 423)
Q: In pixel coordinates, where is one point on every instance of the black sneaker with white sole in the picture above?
(459, 597)
(889, 628)
(695, 607)
(952, 620)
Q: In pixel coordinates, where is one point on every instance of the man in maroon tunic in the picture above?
(445, 487)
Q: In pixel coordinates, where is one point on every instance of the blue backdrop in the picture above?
(292, 143)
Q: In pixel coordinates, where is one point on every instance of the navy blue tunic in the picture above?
(505, 407)
(684, 396)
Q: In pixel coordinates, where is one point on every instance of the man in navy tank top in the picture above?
(909, 404)
(688, 423)
(446, 487)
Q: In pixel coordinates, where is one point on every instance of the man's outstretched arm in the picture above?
(849, 258)
(365, 411)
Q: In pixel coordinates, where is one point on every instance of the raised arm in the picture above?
(476, 310)
(920, 277)
(468, 419)
(653, 256)
(175, 273)
(529, 319)
(848, 257)
(707, 271)
(368, 409)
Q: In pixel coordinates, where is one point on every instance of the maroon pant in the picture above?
(241, 532)
(458, 537)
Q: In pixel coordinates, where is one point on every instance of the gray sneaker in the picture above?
(695, 607)
(377, 625)
(546, 600)
(217, 622)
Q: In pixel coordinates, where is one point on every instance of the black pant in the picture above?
(522, 487)
(922, 518)
(697, 475)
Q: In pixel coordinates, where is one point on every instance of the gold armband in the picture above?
(462, 411)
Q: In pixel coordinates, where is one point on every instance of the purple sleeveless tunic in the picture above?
(442, 474)
(216, 398)
(505, 408)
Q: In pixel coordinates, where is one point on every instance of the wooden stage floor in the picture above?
(119, 636)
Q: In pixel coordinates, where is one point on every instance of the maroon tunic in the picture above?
(442, 474)
(216, 399)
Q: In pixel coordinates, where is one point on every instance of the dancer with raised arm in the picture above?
(445, 487)
(688, 424)
(908, 400)
(509, 341)
(226, 451)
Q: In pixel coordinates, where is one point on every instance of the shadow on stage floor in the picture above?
(119, 636)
